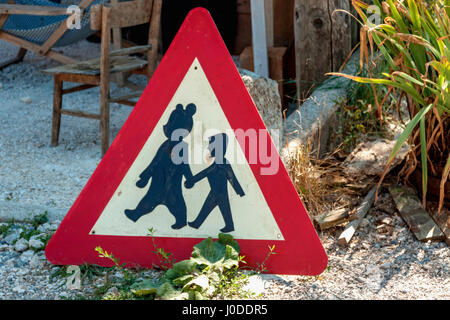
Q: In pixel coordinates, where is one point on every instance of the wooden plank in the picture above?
(130, 13)
(268, 14)
(3, 18)
(153, 37)
(243, 37)
(78, 88)
(95, 17)
(92, 67)
(312, 30)
(59, 32)
(443, 221)
(283, 27)
(361, 211)
(78, 78)
(130, 50)
(118, 78)
(105, 78)
(80, 114)
(32, 10)
(127, 96)
(341, 42)
(415, 216)
(57, 106)
(35, 48)
(333, 218)
(18, 58)
(261, 63)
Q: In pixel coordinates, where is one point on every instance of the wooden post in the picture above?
(154, 36)
(57, 105)
(322, 40)
(119, 78)
(259, 38)
(104, 79)
(268, 13)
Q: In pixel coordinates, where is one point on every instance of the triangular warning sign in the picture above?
(192, 160)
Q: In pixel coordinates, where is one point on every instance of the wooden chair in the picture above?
(59, 29)
(98, 72)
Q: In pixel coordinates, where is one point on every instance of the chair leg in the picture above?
(17, 59)
(57, 105)
(104, 119)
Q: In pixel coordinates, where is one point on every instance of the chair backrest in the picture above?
(122, 14)
(117, 15)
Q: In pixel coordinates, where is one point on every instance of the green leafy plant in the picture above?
(128, 276)
(414, 40)
(212, 266)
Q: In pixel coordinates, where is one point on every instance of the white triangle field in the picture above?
(252, 216)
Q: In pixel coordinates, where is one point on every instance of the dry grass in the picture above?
(319, 182)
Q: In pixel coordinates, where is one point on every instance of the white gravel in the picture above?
(375, 266)
(32, 172)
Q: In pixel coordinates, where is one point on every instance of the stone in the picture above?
(265, 95)
(370, 158)
(254, 285)
(21, 245)
(36, 244)
(26, 100)
(385, 265)
(44, 227)
(19, 289)
(35, 261)
(9, 239)
(113, 291)
(26, 256)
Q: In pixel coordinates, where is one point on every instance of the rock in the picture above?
(19, 289)
(370, 158)
(37, 237)
(364, 223)
(26, 100)
(36, 244)
(265, 95)
(10, 263)
(26, 256)
(36, 262)
(21, 245)
(254, 285)
(9, 239)
(44, 227)
(3, 247)
(113, 291)
(386, 265)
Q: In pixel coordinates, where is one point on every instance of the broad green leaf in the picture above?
(180, 269)
(200, 281)
(144, 288)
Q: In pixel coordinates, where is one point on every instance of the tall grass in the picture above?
(414, 40)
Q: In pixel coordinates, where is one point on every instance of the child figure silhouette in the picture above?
(218, 175)
(166, 174)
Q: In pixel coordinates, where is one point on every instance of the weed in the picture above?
(262, 266)
(164, 257)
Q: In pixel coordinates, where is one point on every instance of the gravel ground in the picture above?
(381, 262)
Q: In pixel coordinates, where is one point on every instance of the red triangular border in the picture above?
(300, 253)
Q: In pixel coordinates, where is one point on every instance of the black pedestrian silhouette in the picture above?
(218, 175)
(166, 174)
